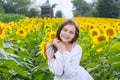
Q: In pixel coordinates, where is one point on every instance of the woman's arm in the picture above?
(71, 62)
(55, 63)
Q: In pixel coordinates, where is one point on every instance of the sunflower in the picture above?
(10, 25)
(2, 33)
(42, 48)
(47, 30)
(100, 38)
(46, 26)
(110, 32)
(51, 36)
(82, 29)
(118, 29)
(21, 32)
(94, 32)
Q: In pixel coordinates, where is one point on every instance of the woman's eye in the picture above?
(71, 32)
(65, 30)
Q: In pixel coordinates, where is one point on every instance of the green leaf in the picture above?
(39, 76)
(114, 59)
(4, 69)
(7, 44)
(23, 53)
(115, 48)
(9, 56)
(11, 65)
(84, 56)
(101, 44)
(115, 66)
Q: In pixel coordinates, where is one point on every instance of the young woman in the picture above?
(64, 55)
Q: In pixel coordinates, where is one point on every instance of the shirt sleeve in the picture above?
(71, 62)
(55, 64)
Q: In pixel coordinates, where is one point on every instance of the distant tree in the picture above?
(81, 8)
(33, 12)
(106, 8)
(59, 13)
(1, 7)
(16, 6)
(19, 7)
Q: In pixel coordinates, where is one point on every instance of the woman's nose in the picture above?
(67, 33)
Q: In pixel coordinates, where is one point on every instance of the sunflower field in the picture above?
(22, 43)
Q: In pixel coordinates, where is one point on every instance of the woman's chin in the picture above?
(65, 41)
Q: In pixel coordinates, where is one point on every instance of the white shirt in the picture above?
(65, 65)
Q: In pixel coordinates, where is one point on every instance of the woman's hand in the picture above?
(58, 44)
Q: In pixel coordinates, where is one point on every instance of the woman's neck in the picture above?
(68, 46)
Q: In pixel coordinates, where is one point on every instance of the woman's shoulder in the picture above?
(77, 46)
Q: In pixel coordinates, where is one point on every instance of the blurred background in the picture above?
(26, 26)
(62, 8)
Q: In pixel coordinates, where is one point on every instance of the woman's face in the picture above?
(67, 33)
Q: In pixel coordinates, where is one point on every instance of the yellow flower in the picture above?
(100, 38)
(21, 32)
(47, 30)
(51, 36)
(94, 32)
(42, 48)
(118, 30)
(110, 32)
(2, 33)
(82, 29)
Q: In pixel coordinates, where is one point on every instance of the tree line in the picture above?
(22, 7)
(98, 8)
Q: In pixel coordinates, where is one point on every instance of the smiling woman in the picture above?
(63, 54)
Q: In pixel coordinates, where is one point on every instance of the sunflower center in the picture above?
(21, 32)
(94, 33)
(1, 30)
(53, 36)
(110, 32)
(91, 27)
(101, 38)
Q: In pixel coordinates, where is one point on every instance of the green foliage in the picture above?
(10, 17)
(26, 61)
(82, 8)
(59, 14)
(104, 64)
(108, 63)
(22, 7)
(10, 63)
(21, 59)
(33, 12)
(107, 8)
(1, 8)
(15, 6)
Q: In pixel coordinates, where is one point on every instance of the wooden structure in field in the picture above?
(47, 9)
